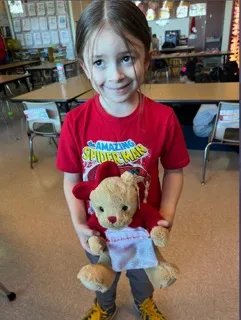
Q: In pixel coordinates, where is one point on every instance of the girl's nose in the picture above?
(115, 74)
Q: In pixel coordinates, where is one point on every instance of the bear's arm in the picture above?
(150, 216)
(93, 224)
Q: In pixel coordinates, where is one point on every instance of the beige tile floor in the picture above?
(40, 255)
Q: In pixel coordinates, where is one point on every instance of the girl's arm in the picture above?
(171, 190)
(77, 210)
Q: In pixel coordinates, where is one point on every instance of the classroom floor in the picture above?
(40, 255)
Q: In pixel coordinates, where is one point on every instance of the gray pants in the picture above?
(141, 287)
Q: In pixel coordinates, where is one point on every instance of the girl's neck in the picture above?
(122, 109)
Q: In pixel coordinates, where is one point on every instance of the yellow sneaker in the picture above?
(149, 311)
(97, 313)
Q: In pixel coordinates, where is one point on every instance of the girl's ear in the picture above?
(86, 71)
(147, 61)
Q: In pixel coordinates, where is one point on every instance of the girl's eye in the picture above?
(99, 63)
(128, 59)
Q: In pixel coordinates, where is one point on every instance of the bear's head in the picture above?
(114, 198)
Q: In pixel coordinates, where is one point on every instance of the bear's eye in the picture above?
(124, 208)
(101, 209)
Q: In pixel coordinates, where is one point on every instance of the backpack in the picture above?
(231, 71)
(168, 45)
(217, 74)
(2, 50)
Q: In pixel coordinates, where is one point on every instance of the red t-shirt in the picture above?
(90, 136)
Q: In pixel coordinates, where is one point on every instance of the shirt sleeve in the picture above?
(174, 153)
(68, 156)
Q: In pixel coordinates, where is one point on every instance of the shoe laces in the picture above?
(148, 310)
(97, 313)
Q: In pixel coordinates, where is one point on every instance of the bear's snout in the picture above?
(112, 219)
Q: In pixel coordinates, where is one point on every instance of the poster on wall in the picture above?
(62, 22)
(24, 12)
(41, 9)
(35, 24)
(54, 37)
(182, 11)
(52, 23)
(46, 37)
(31, 9)
(17, 25)
(64, 37)
(197, 9)
(26, 24)
(28, 39)
(43, 23)
(37, 39)
(16, 8)
(60, 7)
(164, 13)
(50, 8)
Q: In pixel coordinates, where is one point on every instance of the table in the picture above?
(202, 54)
(49, 66)
(178, 48)
(18, 64)
(57, 92)
(5, 79)
(8, 78)
(185, 93)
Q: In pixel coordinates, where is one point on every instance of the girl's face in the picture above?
(114, 72)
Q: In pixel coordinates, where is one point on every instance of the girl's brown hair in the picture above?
(122, 15)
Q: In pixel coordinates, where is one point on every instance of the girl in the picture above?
(122, 125)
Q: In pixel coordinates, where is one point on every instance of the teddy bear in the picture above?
(129, 233)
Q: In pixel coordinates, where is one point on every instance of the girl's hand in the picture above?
(166, 224)
(167, 218)
(84, 233)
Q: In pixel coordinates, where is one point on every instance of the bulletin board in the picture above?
(41, 24)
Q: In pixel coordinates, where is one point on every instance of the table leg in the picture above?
(42, 76)
(31, 80)
(66, 106)
(65, 72)
(52, 75)
(26, 84)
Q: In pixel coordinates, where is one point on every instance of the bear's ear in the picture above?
(128, 178)
(106, 170)
(131, 179)
(83, 189)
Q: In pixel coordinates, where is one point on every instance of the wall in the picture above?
(215, 23)
(227, 24)
(76, 7)
(214, 18)
(181, 24)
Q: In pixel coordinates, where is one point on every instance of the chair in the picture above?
(1, 112)
(159, 66)
(10, 295)
(49, 127)
(175, 66)
(225, 130)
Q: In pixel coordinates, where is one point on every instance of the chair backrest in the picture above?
(52, 112)
(227, 118)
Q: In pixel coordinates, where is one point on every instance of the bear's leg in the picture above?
(162, 276)
(98, 277)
